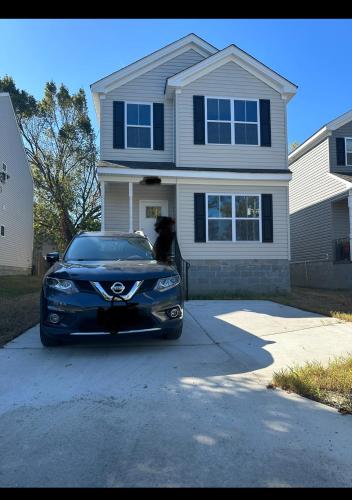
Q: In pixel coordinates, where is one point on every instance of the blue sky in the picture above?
(315, 54)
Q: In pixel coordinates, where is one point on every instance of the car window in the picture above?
(109, 248)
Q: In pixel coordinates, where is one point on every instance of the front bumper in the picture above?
(90, 314)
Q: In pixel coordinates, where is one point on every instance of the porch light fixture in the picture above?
(151, 180)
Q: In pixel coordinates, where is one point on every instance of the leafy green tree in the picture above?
(293, 146)
(60, 144)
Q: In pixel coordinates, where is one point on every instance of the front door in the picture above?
(148, 212)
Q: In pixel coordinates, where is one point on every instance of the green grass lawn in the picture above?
(331, 384)
(19, 305)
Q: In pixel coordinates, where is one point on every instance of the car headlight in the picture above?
(167, 283)
(66, 286)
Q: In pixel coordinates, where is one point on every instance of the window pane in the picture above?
(349, 158)
(252, 206)
(152, 212)
(240, 133)
(213, 110)
(220, 230)
(225, 133)
(219, 133)
(213, 133)
(247, 230)
(213, 206)
(251, 134)
(132, 137)
(225, 206)
(349, 145)
(138, 137)
(144, 114)
(240, 111)
(241, 206)
(224, 109)
(251, 111)
(132, 114)
(144, 137)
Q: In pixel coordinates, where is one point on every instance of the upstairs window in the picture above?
(2, 230)
(246, 122)
(348, 141)
(138, 125)
(218, 121)
(232, 121)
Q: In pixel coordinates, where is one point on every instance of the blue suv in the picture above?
(109, 283)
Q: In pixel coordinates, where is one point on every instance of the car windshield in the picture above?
(109, 248)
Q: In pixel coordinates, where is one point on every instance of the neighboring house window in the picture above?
(4, 167)
(138, 125)
(2, 230)
(246, 122)
(233, 217)
(219, 121)
(348, 143)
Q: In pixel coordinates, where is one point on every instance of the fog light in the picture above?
(54, 318)
(174, 312)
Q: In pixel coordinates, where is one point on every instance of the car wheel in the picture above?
(173, 334)
(48, 341)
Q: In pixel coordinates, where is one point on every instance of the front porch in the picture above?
(134, 205)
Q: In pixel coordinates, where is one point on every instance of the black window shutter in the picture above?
(265, 122)
(118, 125)
(340, 151)
(198, 119)
(267, 218)
(158, 126)
(199, 218)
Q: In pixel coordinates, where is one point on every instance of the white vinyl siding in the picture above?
(312, 191)
(231, 80)
(228, 249)
(149, 88)
(16, 196)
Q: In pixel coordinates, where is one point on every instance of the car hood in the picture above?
(111, 270)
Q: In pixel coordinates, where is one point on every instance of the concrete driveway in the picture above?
(192, 412)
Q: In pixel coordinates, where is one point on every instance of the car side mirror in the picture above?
(52, 257)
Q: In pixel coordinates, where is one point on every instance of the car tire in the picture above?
(48, 341)
(173, 334)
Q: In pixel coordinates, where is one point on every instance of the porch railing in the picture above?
(342, 249)
(182, 267)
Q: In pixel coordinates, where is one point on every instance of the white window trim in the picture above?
(232, 121)
(150, 104)
(234, 219)
(346, 139)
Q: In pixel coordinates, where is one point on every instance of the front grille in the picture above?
(86, 287)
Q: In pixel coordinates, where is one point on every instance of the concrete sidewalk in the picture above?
(192, 412)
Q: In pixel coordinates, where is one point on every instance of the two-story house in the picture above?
(16, 196)
(200, 134)
(321, 207)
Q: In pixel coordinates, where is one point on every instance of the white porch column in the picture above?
(130, 207)
(102, 194)
(350, 217)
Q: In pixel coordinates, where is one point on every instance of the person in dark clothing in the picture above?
(164, 226)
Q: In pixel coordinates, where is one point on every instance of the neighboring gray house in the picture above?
(321, 207)
(200, 134)
(16, 196)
